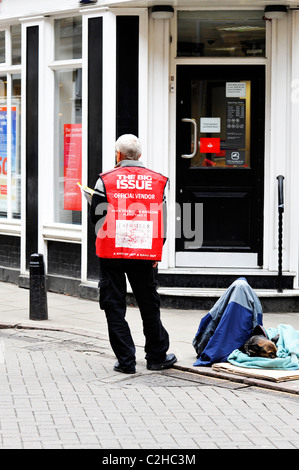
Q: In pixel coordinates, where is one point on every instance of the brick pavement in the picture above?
(59, 390)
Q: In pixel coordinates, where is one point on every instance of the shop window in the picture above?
(10, 123)
(3, 146)
(68, 38)
(15, 168)
(2, 47)
(221, 34)
(68, 121)
(10, 148)
(15, 32)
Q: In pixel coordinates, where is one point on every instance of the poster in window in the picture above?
(72, 166)
(3, 141)
(3, 151)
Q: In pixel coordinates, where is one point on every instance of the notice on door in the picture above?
(235, 158)
(210, 125)
(235, 90)
(72, 166)
(235, 124)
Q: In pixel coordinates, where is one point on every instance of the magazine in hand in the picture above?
(87, 192)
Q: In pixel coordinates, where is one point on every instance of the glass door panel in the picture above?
(223, 120)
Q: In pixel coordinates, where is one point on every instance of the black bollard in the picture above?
(38, 293)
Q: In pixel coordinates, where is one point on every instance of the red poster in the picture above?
(209, 145)
(72, 166)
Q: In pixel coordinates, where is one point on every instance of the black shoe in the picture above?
(170, 359)
(119, 368)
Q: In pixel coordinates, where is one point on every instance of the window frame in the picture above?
(8, 224)
(52, 230)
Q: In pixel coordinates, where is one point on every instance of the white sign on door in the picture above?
(209, 124)
(235, 90)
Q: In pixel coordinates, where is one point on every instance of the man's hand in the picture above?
(155, 264)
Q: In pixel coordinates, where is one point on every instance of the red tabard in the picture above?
(133, 226)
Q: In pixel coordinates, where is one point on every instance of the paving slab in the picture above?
(84, 317)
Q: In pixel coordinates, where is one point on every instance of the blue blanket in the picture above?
(228, 325)
(287, 352)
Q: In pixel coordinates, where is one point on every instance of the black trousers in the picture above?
(141, 276)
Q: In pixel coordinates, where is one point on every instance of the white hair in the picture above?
(129, 145)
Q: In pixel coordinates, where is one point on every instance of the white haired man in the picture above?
(129, 211)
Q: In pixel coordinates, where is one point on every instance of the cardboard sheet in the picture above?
(265, 374)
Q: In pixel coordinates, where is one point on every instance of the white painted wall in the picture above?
(282, 142)
(158, 107)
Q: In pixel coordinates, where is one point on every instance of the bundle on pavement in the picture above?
(228, 325)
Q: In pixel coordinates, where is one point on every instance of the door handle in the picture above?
(194, 123)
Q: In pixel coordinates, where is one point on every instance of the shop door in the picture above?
(220, 165)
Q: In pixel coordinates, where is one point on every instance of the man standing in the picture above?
(129, 209)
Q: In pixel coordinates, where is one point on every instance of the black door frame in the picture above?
(229, 72)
